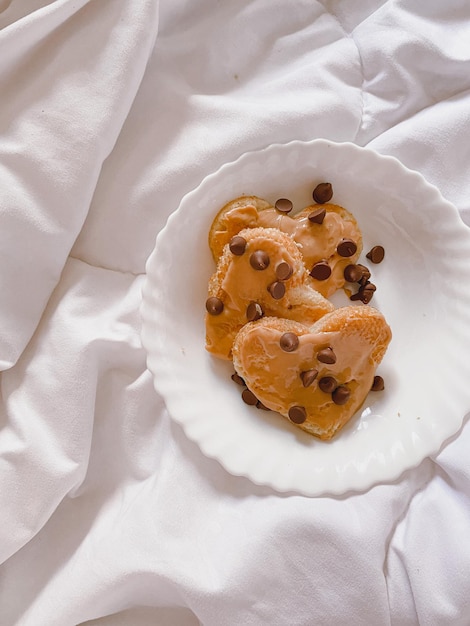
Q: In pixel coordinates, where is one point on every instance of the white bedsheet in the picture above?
(110, 111)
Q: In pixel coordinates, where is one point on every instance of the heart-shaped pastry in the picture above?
(318, 376)
(260, 273)
(327, 234)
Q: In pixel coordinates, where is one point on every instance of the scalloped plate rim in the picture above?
(362, 480)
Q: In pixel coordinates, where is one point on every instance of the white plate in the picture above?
(422, 289)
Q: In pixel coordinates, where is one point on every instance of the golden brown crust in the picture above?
(358, 336)
(224, 226)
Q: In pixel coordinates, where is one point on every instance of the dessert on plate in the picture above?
(267, 309)
(327, 234)
(316, 376)
(260, 273)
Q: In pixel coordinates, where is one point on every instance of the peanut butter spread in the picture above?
(267, 309)
(317, 241)
(282, 288)
(282, 382)
(316, 376)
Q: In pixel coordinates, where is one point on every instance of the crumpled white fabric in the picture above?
(111, 110)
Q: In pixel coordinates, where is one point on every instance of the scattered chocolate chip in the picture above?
(327, 356)
(378, 384)
(365, 293)
(260, 405)
(352, 273)
(249, 397)
(297, 414)
(365, 274)
(347, 247)
(341, 395)
(327, 384)
(368, 291)
(214, 306)
(376, 254)
(237, 245)
(289, 342)
(238, 379)
(356, 274)
(323, 193)
(321, 270)
(308, 377)
(317, 216)
(259, 260)
(254, 311)
(284, 270)
(284, 205)
(277, 290)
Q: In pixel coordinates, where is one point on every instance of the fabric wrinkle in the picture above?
(111, 113)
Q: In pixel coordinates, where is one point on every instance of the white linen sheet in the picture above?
(110, 111)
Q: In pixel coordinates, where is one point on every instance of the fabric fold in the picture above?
(69, 73)
(82, 352)
(110, 515)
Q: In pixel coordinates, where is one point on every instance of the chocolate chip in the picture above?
(259, 260)
(317, 216)
(327, 384)
(376, 254)
(365, 274)
(368, 291)
(238, 379)
(237, 245)
(249, 397)
(378, 384)
(347, 247)
(277, 290)
(356, 297)
(327, 356)
(284, 205)
(321, 270)
(323, 193)
(352, 273)
(289, 342)
(308, 377)
(365, 293)
(284, 270)
(357, 274)
(214, 306)
(297, 414)
(254, 311)
(341, 395)
(260, 405)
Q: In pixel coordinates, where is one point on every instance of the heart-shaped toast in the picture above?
(260, 273)
(328, 235)
(317, 376)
